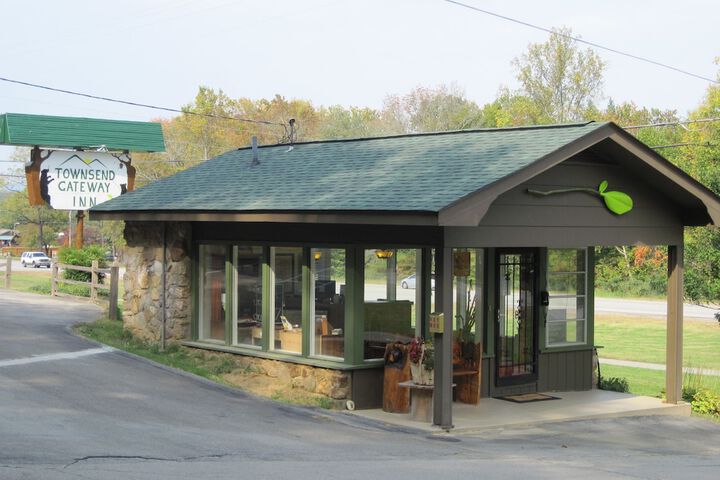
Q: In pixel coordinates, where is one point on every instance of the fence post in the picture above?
(8, 270)
(53, 276)
(114, 281)
(94, 281)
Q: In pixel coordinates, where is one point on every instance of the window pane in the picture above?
(566, 308)
(392, 288)
(248, 303)
(212, 279)
(566, 283)
(328, 303)
(468, 301)
(561, 333)
(287, 266)
(566, 260)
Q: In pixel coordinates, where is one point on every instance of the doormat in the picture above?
(527, 398)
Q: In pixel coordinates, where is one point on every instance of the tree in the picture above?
(701, 159)
(438, 109)
(562, 80)
(17, 209)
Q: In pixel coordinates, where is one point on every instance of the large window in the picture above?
(567, 285)
(328, 302)
(393, 293)
(248, 262)
(212, 292)
(287, 264)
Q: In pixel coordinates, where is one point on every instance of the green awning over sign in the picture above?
(76, 132)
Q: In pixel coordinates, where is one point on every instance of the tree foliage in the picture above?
(560, 79)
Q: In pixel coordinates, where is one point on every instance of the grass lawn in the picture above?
(651, 383)
(642, 339)
(39, 282)
(35, 282)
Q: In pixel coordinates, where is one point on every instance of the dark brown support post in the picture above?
(442, 396)
(674, 366)
(80, 229)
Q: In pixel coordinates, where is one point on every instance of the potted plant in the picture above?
(422, 361)
(465, 335)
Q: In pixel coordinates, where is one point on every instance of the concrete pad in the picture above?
(493, 413)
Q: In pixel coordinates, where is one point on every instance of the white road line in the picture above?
(55, 356)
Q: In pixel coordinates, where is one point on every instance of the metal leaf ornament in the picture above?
(617, 202)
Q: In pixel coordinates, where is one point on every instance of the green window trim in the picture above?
(354, 306)
(589, 306)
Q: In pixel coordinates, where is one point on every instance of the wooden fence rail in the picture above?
(8, 269)
(94, 282)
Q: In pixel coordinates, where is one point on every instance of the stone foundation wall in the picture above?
(142, 313)
(334, 384)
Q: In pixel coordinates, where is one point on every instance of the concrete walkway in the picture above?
(656, 366)
(492, 413)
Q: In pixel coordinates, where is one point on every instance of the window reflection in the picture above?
(248, 300)
(392, 298)
(212, 267)
(287, 299)
(328, 302)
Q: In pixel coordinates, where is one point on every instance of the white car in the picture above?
(34, 259)
(409, 282)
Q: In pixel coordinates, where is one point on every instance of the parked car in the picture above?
(34, 259)
(410, 282)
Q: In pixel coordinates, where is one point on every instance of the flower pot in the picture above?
(428, 376)
(416, 372)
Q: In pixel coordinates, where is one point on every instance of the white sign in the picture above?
(80, 180)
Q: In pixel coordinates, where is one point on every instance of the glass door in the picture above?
(516, 329)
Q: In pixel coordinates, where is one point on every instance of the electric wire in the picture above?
(674, 123)
(580, 40)
(143, 105)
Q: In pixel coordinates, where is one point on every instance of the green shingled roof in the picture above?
(72, 132)
(409, 173)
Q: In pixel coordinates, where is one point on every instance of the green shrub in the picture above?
(614, 384)
(82, 257)
(706, 402)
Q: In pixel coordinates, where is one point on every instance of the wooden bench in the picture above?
(466, 374)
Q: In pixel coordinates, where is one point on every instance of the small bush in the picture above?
(614, 384)
(706, 402)
(82, 257)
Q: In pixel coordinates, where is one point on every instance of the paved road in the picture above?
(107, 415)
(653, 308)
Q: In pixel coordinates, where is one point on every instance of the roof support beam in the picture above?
(442, 396)
(674, 370)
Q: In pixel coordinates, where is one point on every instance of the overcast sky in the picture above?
(331, 52)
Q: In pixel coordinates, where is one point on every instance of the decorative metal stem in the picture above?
(564, 190)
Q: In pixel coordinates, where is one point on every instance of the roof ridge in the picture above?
(432, 134)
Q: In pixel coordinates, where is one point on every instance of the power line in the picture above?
(136, 104)
(580, 40)
(669, 124)
(675, 145)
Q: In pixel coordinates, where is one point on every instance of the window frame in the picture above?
(584, 297)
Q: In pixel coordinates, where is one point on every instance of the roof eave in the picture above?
(419, 218)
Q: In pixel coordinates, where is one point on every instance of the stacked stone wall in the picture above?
(142, 313)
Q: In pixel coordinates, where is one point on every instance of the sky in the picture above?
(331, 52)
